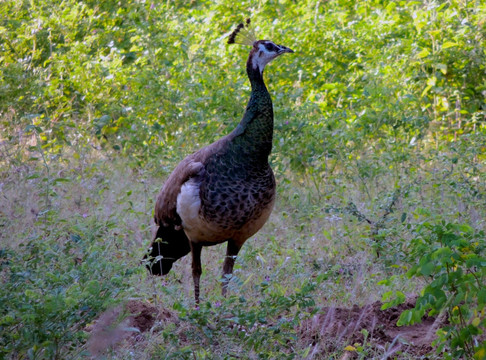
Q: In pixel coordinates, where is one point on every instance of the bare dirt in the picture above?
(335, 327)
(331, 329)
(125, 323)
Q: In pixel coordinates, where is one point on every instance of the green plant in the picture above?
(52, 286)
(379, 113)
(451, 258)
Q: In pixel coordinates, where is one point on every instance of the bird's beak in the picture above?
(283, 49)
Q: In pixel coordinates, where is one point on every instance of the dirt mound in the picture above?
(125, 322)
(333, 327)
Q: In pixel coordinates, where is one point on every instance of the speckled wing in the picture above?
(235, 199)
(192, 166)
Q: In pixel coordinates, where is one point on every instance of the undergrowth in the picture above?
(379, 157)
(78, 254)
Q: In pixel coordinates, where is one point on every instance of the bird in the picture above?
(225, 191)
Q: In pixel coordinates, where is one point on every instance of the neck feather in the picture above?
(255, 131)
(255, 74)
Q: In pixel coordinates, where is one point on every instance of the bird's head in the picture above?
(265, 51)
(163, 253)
(160, 258)
(262, 52)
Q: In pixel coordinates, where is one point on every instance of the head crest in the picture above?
(243, 34)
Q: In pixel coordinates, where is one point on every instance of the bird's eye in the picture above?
(270, 47)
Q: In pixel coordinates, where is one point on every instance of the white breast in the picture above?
(196, 228)
(189, 203)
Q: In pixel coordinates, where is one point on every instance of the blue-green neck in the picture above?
(254, 134)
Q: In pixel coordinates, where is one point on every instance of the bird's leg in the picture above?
(231, 252)
(196, 268)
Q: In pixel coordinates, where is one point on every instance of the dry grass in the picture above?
(306, 238)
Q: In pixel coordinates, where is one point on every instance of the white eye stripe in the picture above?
(269, 47)
(267, 51)
(262, 48)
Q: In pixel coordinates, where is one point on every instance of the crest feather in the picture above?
(243, 34)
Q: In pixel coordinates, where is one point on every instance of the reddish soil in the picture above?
(334, 328)
(125, 322)
(331, 329)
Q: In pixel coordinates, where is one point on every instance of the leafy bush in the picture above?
(142, 77)
(380, 111)
(451, 258)
(52, 287)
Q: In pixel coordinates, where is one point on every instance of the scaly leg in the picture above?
(196, 268)
(231, 252)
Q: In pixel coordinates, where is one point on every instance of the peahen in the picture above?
(226, 190)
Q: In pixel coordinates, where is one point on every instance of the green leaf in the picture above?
(423, 54)
(442, 68)
(403, 217)
(481, 296)
(427, 268)
(405, 318)
(60, 180)
(391, 299)
(31, 127)
(448, 44)
(92, 287)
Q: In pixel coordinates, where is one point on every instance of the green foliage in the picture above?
(142, 77)
(451, 259)
(379, 122)
(266, 330)
(52, 287)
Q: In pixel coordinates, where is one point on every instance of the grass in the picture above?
(70, 254)
(378, 154)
